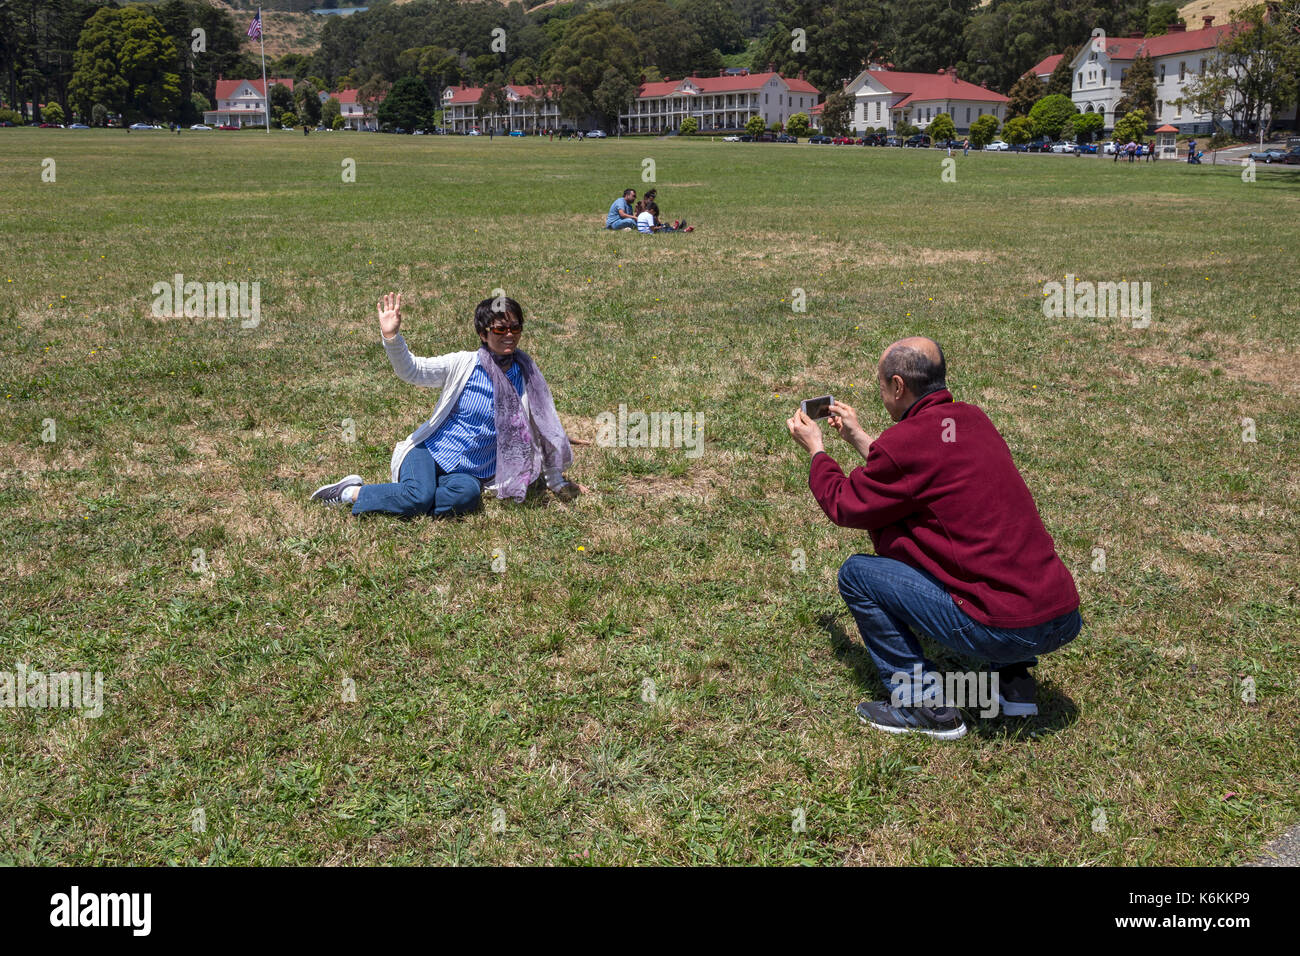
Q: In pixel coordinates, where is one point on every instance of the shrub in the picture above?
(941, 128)
(983, 130)
(689, 126)
(797, 125)
(12, 116)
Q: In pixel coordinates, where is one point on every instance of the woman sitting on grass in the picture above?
(495, 419)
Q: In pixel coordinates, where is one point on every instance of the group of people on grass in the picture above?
(961, 554)
(628, 212)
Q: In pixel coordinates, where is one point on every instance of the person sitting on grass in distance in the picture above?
(962, 556)
(679, 225)
(620, 212)
(648, 221)
(495, 421)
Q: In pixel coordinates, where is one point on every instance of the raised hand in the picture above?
(390, 314)
(844, 419)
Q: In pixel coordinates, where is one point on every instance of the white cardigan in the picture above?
(448, 372)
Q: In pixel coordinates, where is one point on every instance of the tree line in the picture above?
(141, 60)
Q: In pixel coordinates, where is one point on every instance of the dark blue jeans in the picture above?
(890, 600)
(424, 488)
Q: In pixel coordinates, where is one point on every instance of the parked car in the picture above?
(199, 127)
(997, 146)
(227, 126)
(1090, 148)
(1039, 145)
(1064, 146)
(893, 141)
(873, 139)
(1270, 155)
(141, 126)
(78, 126)
(746, 138)
(596, 134)
(473, 132)
(1292, 157)
(731, 139)
(918, 141)
(787, 138)
(843, 140)
(1018, 148)
(820, 140)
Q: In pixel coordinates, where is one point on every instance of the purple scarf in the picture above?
(515, 438)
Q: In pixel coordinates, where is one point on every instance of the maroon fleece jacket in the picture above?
(940, 492)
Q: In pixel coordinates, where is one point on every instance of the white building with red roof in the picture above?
(1178, 57)
(354, 113)
(891, 98)
(1044, 68)
(529, 108)
(240, 103)
(718, 102)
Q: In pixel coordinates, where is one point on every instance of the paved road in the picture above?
(1284, 851)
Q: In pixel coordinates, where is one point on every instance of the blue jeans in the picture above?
(890, 600)
(424, 488)
(622, 224)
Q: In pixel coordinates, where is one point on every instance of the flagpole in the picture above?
(266, 90)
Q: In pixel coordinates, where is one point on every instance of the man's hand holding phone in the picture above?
(844, 419)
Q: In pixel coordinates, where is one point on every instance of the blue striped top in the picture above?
(466, 443)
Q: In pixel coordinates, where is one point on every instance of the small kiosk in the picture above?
(1167, 142)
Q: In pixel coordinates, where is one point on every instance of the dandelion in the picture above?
(581, 548)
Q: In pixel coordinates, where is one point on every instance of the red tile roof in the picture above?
(225, 88)
(725, 84)
(932, 86)
(1047, 65)
(1183, 41)
(472, 94)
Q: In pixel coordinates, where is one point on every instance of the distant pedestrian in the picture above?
(1116, 148)
(965, 148)
(1131, 149)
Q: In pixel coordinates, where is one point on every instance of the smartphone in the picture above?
(816, 408)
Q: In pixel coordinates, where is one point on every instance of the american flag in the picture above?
(255, 28)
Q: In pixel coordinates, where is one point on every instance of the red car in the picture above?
(843, 141)
(227, 126)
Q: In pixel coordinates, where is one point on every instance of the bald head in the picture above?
(909, 369)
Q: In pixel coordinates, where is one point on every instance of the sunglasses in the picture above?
(500, 328)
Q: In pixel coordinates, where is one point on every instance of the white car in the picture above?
(997, 146)
(200, 126)
(596, 134)
(1064, 148)
(1109, 148)
(731, 139)
(139, 126)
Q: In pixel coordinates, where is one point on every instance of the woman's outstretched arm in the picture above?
(426, 372)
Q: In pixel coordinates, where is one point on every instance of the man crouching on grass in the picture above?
(962, 556)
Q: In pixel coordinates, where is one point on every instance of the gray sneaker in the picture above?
(333, 494)
(1017, 691)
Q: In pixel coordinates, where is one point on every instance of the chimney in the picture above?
(722, 72)
(771, 67)
(801, 75)
(1177, 27)
(1207, 22)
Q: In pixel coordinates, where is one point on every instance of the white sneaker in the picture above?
(333, 494)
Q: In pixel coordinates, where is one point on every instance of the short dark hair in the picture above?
(486, 312)
(629, 189)
(918, 371)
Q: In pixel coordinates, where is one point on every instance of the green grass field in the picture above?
(484, 697)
